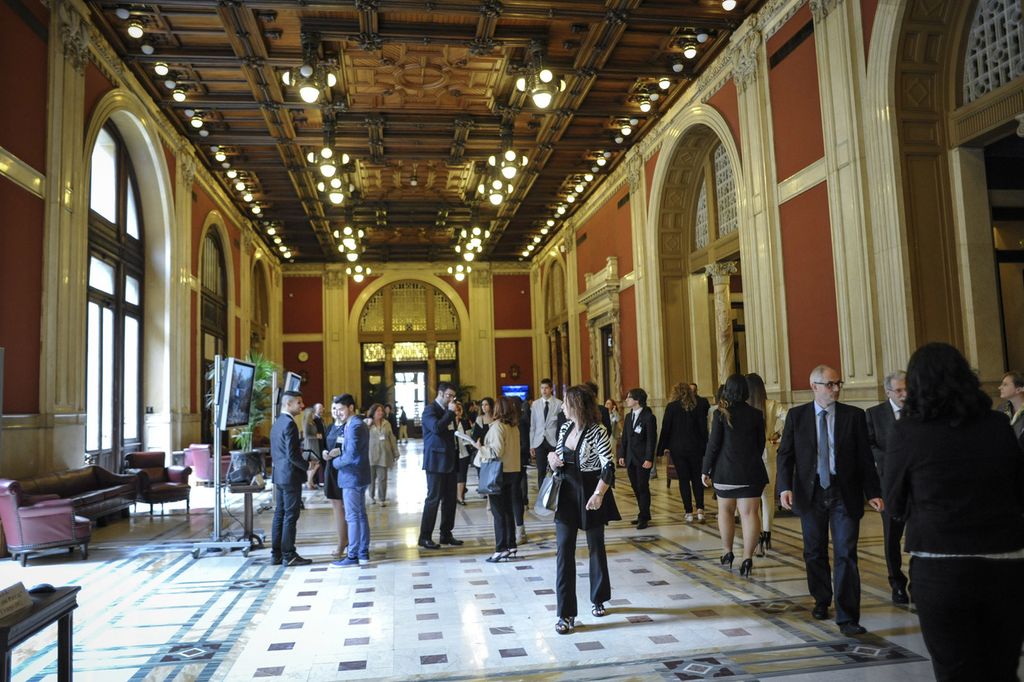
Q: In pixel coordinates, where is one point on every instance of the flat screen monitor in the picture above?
(516, 391)
(236, 393)
(292, 381)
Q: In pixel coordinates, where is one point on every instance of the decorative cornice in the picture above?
(649, 146)
(820, 9)
(187, 163)
(713, 78)
(634, 169)
(75, 36)
(778, 12)
(745, 62)
(334, 278)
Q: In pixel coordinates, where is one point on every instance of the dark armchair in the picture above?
(35, 523)
(159, 483)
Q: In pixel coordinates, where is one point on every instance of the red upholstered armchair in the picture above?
(34, 523)
(159, 483)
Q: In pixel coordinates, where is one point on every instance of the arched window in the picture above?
(114, 305)
(715, 215)
(213, 317)
(995, 48)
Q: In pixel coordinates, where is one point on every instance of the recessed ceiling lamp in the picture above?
(178, 95)
(136, 30)
(161, 69)
(664, 83)
(146, 48)
(728, 5)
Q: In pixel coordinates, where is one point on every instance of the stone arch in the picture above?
(260, 314)
(161, 380)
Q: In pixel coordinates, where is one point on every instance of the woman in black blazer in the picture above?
(955, 475)
(684, 437)
(733, 461)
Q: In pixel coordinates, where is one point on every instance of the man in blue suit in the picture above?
(352, 467)
(441, 462)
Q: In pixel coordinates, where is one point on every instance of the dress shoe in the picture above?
(298, 561)
(642, 524)
(635, 521)
(275, 560)
(429, 544)
(820, 611)
(899, 596)
(451, 541)
(852, 629)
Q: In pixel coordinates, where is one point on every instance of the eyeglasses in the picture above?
(830, 385)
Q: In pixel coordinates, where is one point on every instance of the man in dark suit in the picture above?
(637, 446)
(441, 462)
(881, 420)
(825, 472)
(288, 477)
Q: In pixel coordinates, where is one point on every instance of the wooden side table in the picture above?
(47, 608)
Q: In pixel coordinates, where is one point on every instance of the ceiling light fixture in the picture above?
(664, 83)
(540, 82)
(728, 5)
(459, 271)
(136, 30)
(178, 95)
(358, 272)
(689, 49)
(509, 161)
(313, 75)
(196, 121)
(146, 48)
(161, 69)
(645, 103)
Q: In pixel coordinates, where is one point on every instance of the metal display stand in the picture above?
(218, 542)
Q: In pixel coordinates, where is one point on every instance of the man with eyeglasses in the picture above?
(825, 472)
(882, 420)
(441, 462)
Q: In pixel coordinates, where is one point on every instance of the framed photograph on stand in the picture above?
(236, 393)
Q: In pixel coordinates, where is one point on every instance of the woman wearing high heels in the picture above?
(331, 489)
(502, 442)
(684, 438)
(733, 462)
(466, 452)
(585, 502)
(774, 419)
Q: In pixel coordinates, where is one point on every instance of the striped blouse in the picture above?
(594, 451)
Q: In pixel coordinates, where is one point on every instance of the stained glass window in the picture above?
(373, 352)
(446, 350)
(725, 193)
(409, 350)
(700, 238)
(995, 48)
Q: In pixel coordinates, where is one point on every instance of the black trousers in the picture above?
(567, 526)
(640, 479)
(892, 533)
(970, 616)
(688, 472)
(542, 451)
(501, 512)
(441, 489)
(286, 516)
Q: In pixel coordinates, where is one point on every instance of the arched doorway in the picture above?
(699, 263)
(409, 335)
(556, 326)
(213, 318)
(260, 314)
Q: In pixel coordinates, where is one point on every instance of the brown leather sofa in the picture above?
(37, 523)
(94, 492)
(159, 483)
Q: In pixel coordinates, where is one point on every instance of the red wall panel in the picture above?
(607, 233)
(628, 341)
(21, 281)
(796, 101)
(726, 103)
(512, 302)
(649, 167)
(868, 10)
(810, 284)
(312, 370)
(303, 305)
(508, 352)
(585, 373)
(96, 85)
(23, 81)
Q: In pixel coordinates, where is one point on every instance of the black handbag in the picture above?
(547, 496)
(490, 477)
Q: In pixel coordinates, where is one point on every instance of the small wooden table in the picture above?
(257, 537)
(47, 608)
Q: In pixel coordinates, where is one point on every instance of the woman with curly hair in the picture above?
(585, 502)
(684, 437)
(955, 474)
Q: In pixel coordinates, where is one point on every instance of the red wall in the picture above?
(312, 369)
(23, 82)
(868, 10)
(649, 167)
(21, 281)
(512, 302)
(796, 102)
(608, 233)
(303, 305)
(517, 351)
(726, 103)
(96, 85)
(810, 284)
(628, 341)
(585, 372)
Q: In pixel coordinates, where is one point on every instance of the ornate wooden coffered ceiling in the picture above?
(424, 92)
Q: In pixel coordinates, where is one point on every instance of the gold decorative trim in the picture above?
(302, 338)
(22, 174)
(983, 115)
(513, 333)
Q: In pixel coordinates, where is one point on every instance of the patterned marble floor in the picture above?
(149, 611)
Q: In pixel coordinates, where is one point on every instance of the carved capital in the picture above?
(187, 164)
(820, 9)
(247, 242)
(746, 59)
(334, 279)
(635, 171)
(74, 34)
(720, 272)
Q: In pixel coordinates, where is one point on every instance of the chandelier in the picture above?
(539, 81)
(350, 241)
(358, 272)
(471, 240)
(312, 76)
(459, 271)
(509, 161)
(494, 186)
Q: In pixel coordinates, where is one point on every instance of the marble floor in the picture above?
(150, 611)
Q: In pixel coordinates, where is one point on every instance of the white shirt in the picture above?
(830, 421)
(896, 409)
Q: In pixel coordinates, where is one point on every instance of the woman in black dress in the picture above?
(684, 437)
(331, 490)
(585, 502)
(954, 472)
(733, 462)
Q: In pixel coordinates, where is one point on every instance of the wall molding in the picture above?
(801, 181)
(302, 338)
(513, 333)
(22, 174)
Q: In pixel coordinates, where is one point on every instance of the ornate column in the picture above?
(335, 327)
(431, 370)
(838, 48)
(567, 365)
(720, 274)
(477, 357)
(760, 243)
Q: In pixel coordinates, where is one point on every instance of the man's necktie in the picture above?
(545, 410)
(824, 477)
(899, 413)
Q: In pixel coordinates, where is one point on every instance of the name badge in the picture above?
(339, 440)
(382, 437)
(638, 429)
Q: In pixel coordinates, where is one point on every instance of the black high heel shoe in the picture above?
(727, 559)
(764, 543)
(746, 567)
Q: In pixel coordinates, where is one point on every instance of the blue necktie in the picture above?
(824, 477)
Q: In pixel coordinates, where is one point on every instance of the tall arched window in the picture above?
(213, 318)
(114, 305)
